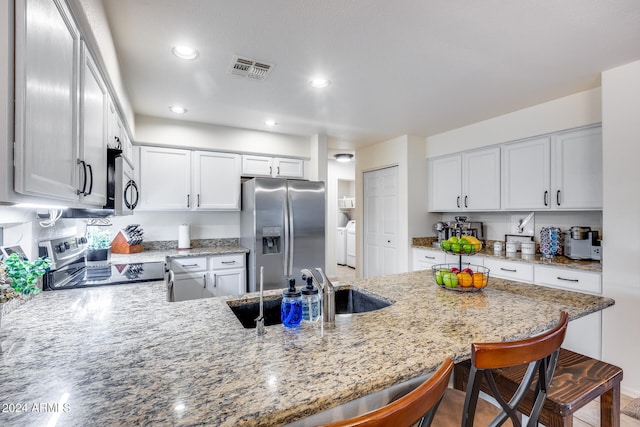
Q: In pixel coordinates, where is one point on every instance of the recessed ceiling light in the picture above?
(177, 109)
(343, 157)
(320, 82)
(270, 122)
(185, 52)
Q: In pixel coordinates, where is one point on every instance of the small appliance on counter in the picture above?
(442, 231)
(462, 227)
(582, 243)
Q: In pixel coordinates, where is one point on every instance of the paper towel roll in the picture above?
(184, 239)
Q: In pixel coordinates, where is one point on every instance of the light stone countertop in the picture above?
(160, 255)
(123, 355)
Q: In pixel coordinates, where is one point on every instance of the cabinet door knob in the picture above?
(188, 200)
(546, 195)
(558, 197)
(458, 201)
(465, 202)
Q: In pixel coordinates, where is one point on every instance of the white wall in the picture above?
(580, 109)
(406, 152)
(180, 133)
(621, 249)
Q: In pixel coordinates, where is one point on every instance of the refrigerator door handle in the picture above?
(291, 237)
(287, 238)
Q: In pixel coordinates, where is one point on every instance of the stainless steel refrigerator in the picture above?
(282, 224)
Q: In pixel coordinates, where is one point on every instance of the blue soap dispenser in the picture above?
(291, 307)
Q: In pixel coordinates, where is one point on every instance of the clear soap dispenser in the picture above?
(291, 307)
(310, 302)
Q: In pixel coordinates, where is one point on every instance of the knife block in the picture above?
(119, 245)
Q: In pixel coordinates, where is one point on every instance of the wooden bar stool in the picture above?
(578, 380)
(418, 406)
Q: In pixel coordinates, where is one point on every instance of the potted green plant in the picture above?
(24, 274)
(19, 280)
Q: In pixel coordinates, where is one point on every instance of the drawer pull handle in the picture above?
(429, 257)
(228, 262)
(509, 270)
(190, 265)
(568, 280)
(205, 281)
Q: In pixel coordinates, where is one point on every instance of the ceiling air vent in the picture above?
(250, 68)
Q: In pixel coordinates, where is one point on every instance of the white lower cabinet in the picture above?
(190, 286)
(584, 335)
(208, 276)
(512, 270)
(227, 275)
(424, 259)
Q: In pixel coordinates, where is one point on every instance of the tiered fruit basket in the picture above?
(461, 277)
(471, 278)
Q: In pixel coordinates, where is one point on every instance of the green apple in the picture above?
(445, 245)
(453, 239)
(440, 275)
(450, 280)
(455, 247)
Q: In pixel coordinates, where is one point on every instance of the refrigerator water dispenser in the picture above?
(271, 240)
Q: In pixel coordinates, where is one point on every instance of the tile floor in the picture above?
(344, 273)
(589, 416)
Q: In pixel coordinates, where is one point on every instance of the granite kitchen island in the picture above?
(123, 355)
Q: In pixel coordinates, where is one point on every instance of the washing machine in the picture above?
(351, 244)
(341, 246)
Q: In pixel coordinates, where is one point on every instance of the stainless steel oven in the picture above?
(69, 269)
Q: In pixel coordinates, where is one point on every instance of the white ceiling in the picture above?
(417, 67)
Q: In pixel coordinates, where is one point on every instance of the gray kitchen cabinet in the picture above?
(467, 181)
(554, 172)
(47, 59)
(176, 179)
(274, 167)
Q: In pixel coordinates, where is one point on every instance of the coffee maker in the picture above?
(582, 243)
(462, 227)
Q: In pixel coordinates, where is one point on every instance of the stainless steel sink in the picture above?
(348, 301)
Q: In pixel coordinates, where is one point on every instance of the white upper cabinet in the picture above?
(216, 180)
(275, 167)
(526, 178)
(93, 132)
(576, 171)
(481, 179)
(466, 181)
(165, 179)
(175, 179)
(561, 171)
(445, 183)
(46, 89)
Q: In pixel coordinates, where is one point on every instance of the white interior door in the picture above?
(380, 222)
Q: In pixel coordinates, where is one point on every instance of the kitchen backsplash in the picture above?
(497, 224)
